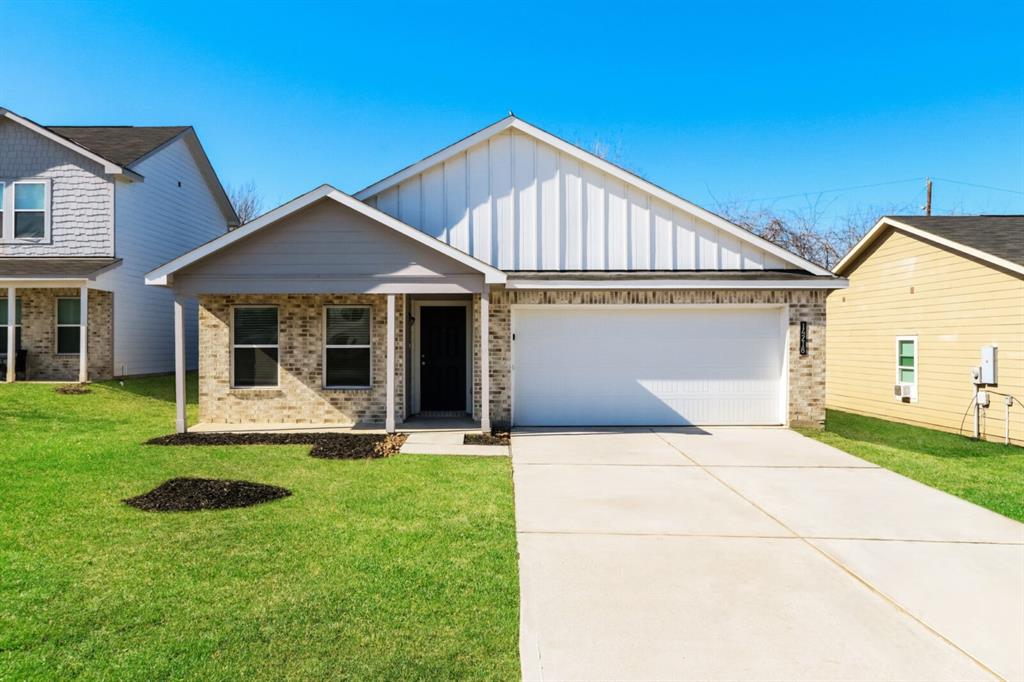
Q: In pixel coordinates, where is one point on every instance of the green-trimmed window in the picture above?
(906, 362)
(4, 322)
(69, 326)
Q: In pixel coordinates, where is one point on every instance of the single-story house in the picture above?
(930, 300)
(512, 278)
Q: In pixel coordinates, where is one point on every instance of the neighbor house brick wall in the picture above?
(39, 335)
(81, 196)
(806, 372)
(300, 397)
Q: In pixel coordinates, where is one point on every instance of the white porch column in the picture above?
(389, 418)
(12, 316)
(485, 360)
(179, 364)
(83, 335)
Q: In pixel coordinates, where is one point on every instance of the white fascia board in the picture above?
(162, 276)
(606, 167)
(109, 167)
(43, 282)
(885, 223)
(836, 283)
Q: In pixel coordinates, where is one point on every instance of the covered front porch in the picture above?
(329, 314)
(54, 324)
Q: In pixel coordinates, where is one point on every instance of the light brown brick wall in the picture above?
(39, 335)
(806, 372)
(300, 396)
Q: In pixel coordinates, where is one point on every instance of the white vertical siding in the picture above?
(156, 221)
(521, 204)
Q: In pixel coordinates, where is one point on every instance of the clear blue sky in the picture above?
(714, 101)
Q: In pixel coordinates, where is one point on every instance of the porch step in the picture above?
(448, 443)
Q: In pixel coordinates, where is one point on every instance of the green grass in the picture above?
(988, 474)
(400, 568)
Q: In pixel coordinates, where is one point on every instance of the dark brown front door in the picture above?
(442, 358)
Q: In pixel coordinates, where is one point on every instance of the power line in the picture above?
(837, 189)
(973, 184)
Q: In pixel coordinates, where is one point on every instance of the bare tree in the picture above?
(248, 203)
(808, 232)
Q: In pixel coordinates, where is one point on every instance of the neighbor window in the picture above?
(3, 189)
(5, 321)
(906, 363)
(347, 347)
(29, 210)
(69, 326)
(254, 350)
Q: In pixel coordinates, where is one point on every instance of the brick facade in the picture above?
(39, 335)
(806, 372)
(299, 397)
(81, 196)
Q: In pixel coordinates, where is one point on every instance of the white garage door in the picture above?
(637, 365)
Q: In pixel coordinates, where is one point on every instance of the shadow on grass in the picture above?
(916, 438)
(159, 387)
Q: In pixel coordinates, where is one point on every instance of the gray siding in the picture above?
(81, 196)
(157, 220)
(326, 245)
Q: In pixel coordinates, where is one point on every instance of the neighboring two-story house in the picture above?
(85, 212)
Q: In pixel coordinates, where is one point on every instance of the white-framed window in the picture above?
(5, 322)
(906, 363)
(69, 326)
(254, 349)
(3, 208)
(30, 217)
(347, 352)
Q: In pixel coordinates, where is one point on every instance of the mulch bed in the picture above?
(492, 438)
(325, 445)
(73, 389)
(193, 494)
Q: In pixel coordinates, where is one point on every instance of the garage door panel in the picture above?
(647, 366)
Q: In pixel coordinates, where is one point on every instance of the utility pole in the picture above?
(928, 201)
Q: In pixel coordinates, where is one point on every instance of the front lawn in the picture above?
(988, 474)
(397, 568)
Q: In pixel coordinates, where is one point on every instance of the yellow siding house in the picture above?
(926, 295)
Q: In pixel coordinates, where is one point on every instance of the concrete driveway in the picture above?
(743, 553)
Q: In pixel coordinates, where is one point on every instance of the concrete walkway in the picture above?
(729, 554)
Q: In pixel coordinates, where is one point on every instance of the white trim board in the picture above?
(163, 275)
(109, 167)
(676, 284)
(885, 223)
(511, 122)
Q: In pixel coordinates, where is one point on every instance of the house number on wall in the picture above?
(803, 338)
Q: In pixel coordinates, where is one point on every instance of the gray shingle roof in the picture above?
(124, 145)
(1001, 236)
(54, 268)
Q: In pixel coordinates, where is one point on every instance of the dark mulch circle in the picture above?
(73, 389)
(492, 438)
(325, 445)
(193, 494)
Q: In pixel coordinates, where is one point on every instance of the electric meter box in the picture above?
(989, 369)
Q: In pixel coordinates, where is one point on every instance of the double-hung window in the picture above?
(906, 363)
(254, 347)
(5, 322)
(30, 210)
(347, 347)
(69, 326)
